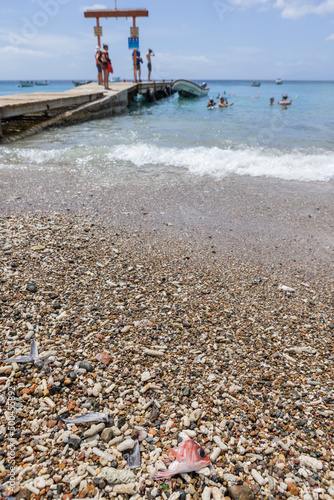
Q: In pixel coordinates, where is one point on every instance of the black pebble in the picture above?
(74, 443)
(55, 389)
(87, 366)
(121, 421)
(31, 287)
(216, 479)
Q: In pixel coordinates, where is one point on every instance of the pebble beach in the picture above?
(201, 311)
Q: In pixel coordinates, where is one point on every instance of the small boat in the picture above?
(76, 83)
(42, 83)
(186, 88)
(256, 84)
(26, 83)
(278, 81)
(116, 79)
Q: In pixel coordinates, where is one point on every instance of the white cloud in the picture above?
(96, 6)
(299, 8)
(4, 33)
(293, 64)
(51, 44)
(290, 9)
(11, 51)
(177, 64)
(330, 37)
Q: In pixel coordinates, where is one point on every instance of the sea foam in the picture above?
(217, 162)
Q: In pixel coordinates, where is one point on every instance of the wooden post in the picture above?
(98, 36)
(134, 57)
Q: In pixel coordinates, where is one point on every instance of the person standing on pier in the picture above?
(98, 65)
(138, 62)
(106, 66)
(149, 54)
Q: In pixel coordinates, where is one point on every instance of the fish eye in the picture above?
(201, 453)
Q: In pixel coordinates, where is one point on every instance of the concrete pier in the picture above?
(22, 115)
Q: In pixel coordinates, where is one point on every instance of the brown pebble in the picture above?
(293, 489)
(23, 494)
(104, 358)
(135, 434)
(242, 492)
(51, 424)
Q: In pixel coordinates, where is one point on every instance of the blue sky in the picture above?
(194, 39)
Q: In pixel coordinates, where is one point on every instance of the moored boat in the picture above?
(278, 81)
(256, 84)
(25, 83)
(45, 82)
(186, 88)
(76, 83)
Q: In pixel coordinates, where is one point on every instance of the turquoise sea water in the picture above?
(9, 87)
(176, 136)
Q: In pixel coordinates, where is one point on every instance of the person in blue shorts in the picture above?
(99, 65)
(138, 63)
(149, 54)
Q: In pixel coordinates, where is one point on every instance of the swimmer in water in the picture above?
(211, 103)
(284, 102)
(223, 103)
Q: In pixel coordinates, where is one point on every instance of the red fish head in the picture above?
(191, 453)
(197, 455)
(189, 457)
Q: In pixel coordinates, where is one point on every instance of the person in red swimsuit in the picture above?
(106, 66)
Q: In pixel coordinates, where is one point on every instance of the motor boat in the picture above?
(26, 84)
(76, 83)
(42, 83)
(186, 88)
(278, 81)
(256, 84)
(115, 79)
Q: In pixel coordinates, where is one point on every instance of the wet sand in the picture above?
(268, 221)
